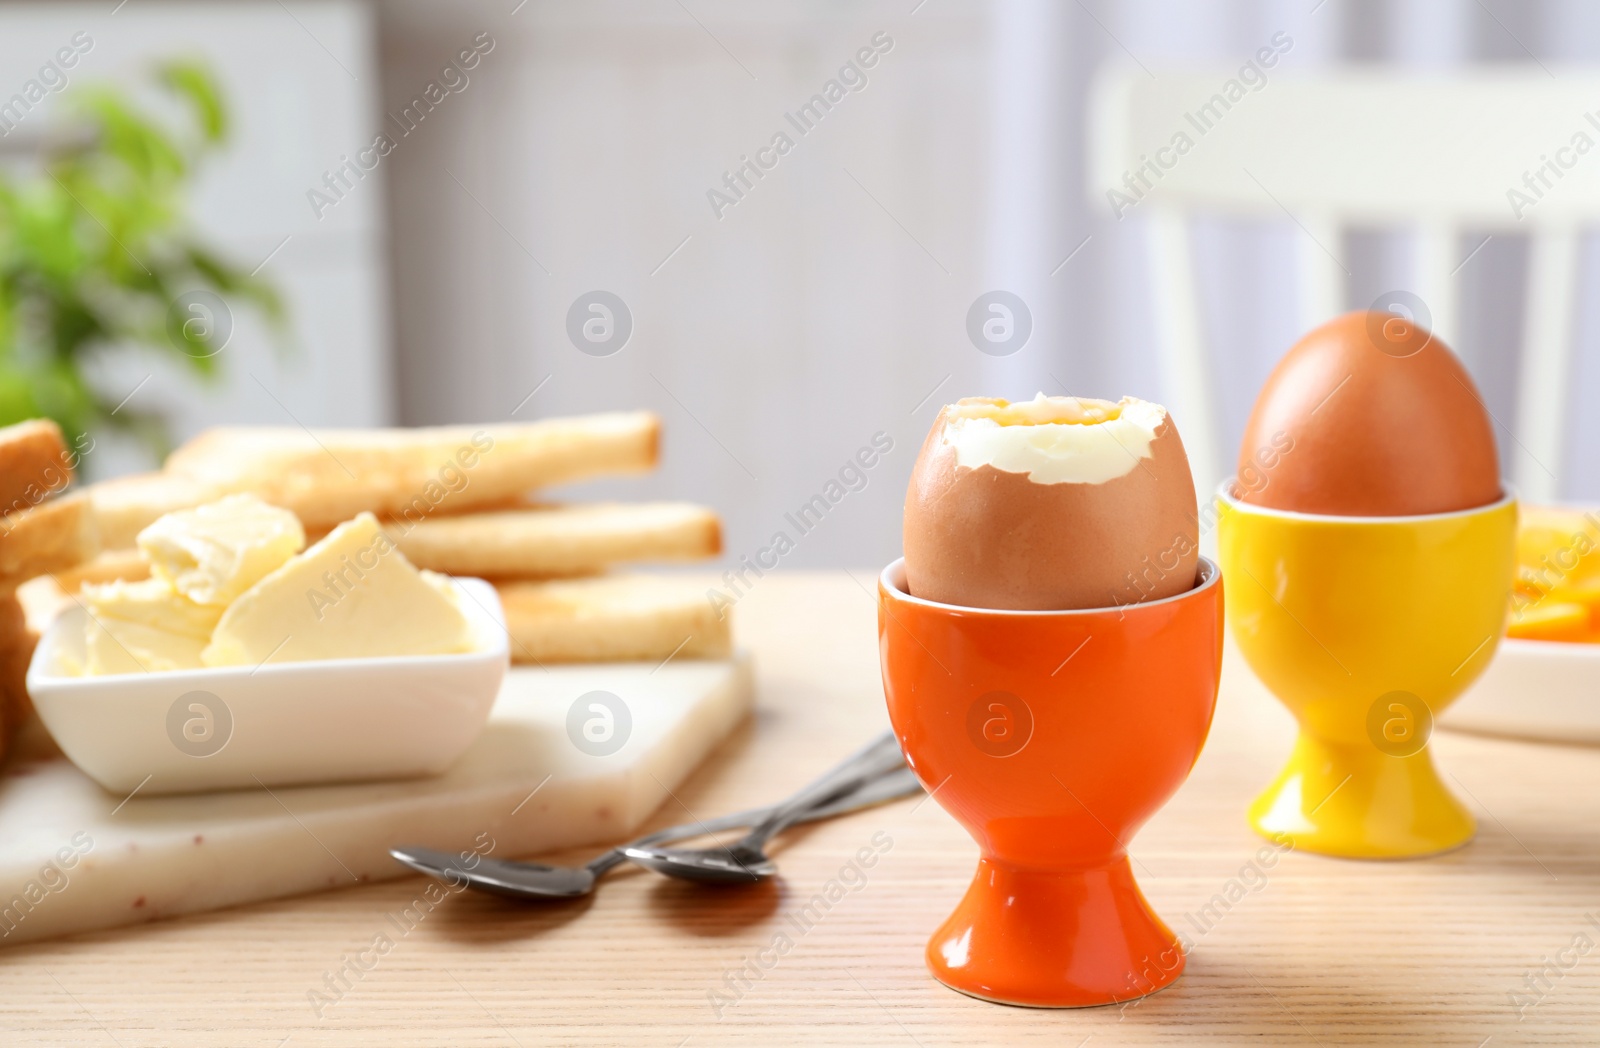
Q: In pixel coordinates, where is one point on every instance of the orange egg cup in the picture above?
(1052, 736)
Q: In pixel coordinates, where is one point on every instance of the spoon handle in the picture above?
(866, 777)
(902, 782)
(879, 757)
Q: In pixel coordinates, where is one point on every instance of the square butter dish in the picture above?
(278, 724)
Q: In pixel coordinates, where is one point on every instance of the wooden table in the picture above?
(1318, 952)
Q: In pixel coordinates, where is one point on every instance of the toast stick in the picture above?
(329, 476)
(558, 541)
(612, 618)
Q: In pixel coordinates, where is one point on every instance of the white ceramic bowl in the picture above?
(281, 724)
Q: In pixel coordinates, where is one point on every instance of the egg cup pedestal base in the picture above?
(1356, 802)
(1054, 938)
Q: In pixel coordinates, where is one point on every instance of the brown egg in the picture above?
(1051, 504)
(1369, 416)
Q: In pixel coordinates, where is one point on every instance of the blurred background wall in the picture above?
(776, 328)
(294, 110)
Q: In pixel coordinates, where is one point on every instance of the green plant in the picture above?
(95, 252)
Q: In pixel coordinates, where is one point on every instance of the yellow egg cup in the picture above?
(1366, 628)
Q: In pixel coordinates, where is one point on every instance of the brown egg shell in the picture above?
(987, 538)
(1347, 425)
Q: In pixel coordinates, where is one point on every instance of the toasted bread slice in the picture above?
(329, 476)
(112, 565)
(16, 651)
(14, 625)
(613, 618)
(34, 464)
(52, 536)
(127, 505)
(14, 682)
(41, 600)
(558, 541)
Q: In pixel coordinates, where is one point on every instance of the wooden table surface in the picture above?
(1317, 952)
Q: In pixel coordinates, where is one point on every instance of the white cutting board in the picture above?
(75, 858)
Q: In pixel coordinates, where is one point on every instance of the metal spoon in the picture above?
(743, 861)
(530, 880)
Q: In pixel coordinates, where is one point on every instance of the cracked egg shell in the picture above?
(1051, 504)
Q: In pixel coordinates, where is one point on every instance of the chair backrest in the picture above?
(1499, 149)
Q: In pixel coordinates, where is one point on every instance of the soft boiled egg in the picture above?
(1369, 415)
(1051, 504)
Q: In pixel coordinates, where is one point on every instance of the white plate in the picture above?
(1534, 689)
(280, 724)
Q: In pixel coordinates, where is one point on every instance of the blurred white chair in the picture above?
(1355, 146)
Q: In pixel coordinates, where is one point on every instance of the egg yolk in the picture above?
(1040, 411)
